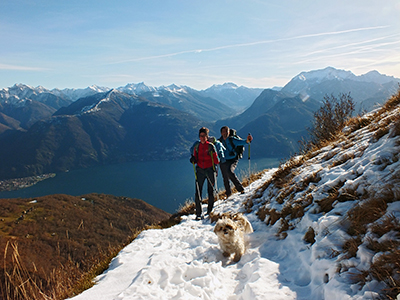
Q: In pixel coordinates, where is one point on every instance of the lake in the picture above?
(164, 184)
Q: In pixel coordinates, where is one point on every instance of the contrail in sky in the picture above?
(252, 43)
(20, 68)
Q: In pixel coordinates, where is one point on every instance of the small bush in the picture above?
(331, 118)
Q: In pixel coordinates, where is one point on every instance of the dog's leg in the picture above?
(226, 254)
(237, 256)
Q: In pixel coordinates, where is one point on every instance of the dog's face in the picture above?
(225, 228)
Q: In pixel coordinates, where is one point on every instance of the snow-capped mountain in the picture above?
(19, 94)
(75, 94)
(375, 76)
(183, 98)
(25, 105)
(328, 73)
(136, 88)
(232, 95)
(366, 90)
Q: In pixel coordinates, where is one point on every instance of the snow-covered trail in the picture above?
(185, 262)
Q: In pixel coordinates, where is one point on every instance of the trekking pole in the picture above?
(214, 188)
(197, 183)
(249, 160)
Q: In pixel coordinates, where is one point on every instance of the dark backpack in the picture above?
(238, 149)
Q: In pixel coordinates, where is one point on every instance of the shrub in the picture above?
(331, 118)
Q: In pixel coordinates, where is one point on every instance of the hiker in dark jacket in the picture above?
(231, 159)
(205, 157)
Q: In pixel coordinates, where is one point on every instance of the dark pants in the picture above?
(209, 176)
(228, 173)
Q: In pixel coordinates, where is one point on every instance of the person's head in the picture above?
(203, 134)
(225, 131)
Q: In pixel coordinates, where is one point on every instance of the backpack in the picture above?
(238, 149)
(211, 149)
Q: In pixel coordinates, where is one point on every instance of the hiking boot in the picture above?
(198, 218)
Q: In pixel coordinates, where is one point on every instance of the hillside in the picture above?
(104, 128)
(54, 241)
(326, 226)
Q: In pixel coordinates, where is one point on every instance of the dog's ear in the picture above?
(217, 228)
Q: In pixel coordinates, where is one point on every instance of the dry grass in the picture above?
(365, 213)
(392, 102)
(359, 122)
(285, 171)
(386, 267)
(350, 247)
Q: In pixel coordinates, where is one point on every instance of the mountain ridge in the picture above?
(103, 131)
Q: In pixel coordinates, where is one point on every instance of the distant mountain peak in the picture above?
(328, 73)
(226, 85)
(375, 76)
(136, 88)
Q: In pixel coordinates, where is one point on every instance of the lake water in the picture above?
(164, 184)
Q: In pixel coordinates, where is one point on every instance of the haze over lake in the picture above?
(164, 184)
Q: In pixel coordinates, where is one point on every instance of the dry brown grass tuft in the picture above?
(387, 269)
(389, 223)
(359, 122)
(350, 247)
(381, 132)
(392, 102)
(246, 181)
(285, 171)
(395, 130)
(343, 159)
(365, 213)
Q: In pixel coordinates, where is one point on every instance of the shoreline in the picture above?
(24, 182)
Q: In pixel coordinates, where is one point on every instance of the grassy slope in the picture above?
(59, 239)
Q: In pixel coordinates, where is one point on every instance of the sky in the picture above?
(186, 262)
(255, 43)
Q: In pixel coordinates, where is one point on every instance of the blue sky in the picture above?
(198, 43)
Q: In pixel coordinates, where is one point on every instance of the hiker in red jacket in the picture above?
(205, 157)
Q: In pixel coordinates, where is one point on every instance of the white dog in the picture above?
(230, 232)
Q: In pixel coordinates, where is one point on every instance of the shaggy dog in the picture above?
(230, 232)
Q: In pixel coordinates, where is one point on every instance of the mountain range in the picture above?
(56, 130)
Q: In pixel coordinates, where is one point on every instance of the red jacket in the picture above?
(204, 159)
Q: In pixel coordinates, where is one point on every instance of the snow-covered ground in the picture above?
(185, 261)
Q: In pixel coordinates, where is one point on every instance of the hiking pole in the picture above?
(197, 183)
(214, 188)
(249, 159)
